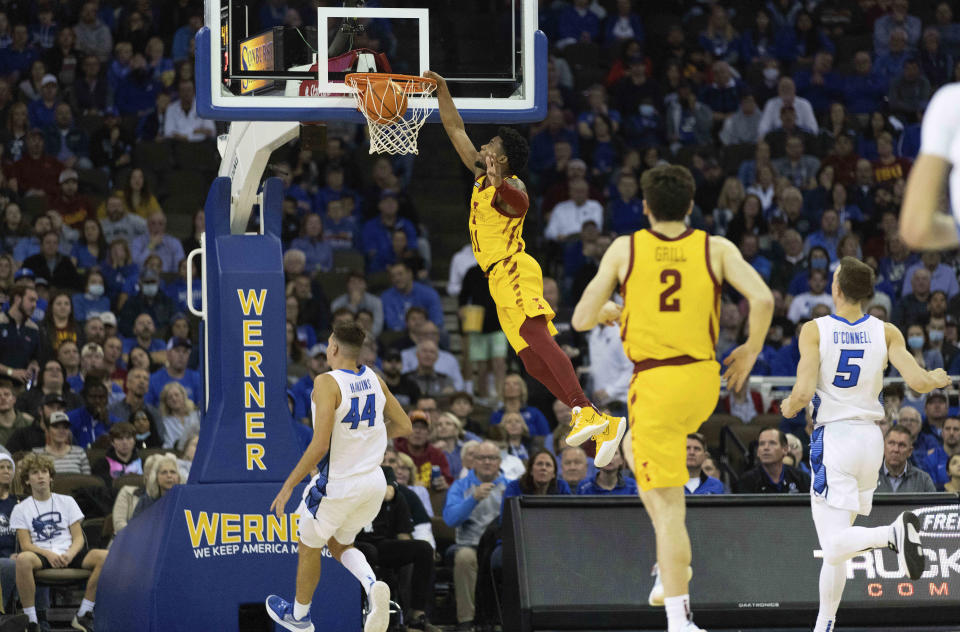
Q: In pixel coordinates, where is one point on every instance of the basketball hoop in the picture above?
(393, 118)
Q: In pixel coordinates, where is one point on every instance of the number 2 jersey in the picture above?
(853, 357)
(671, 300)
(359, 436)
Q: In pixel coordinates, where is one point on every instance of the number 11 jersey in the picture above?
(853, 357)
(359, 436)
(671, 300)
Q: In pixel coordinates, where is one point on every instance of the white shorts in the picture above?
(845, 459)
(339, 509)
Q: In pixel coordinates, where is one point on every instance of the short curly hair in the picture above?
(515, 148)
(34, 461)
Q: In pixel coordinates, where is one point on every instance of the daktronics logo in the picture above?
(940, 537)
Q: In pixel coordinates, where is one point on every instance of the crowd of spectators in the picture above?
(799, 121)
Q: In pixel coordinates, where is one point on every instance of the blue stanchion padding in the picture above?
(246, 435)
(189, 562)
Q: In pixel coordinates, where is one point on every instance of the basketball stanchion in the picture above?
(395, 106)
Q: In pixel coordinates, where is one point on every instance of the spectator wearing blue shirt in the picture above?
(42, 111)
(376, 239)
(750, 249)
(120, 66)
(626, 209)
(898, 18)
(334, 190)
(319, 253)
(719, 39)
(16, 59)
(865, 88)
(540, 479)
(178, 353)
(623, 26)
(828, 237)
(942, 276)
(177, 290)
(575, 466)
(723, 95)
(578, 24)
(819, 85)
(515, 396)
(92, 420)
(185, 34)
(136, 92)
(799, 43)
(609, 481)
(700, 483)
(555, 130)
(928, 454)
(92, 301)
(143, 330)
(889, 65)
(597, 105)
(340, 227)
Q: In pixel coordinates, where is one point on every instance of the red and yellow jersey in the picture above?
(494, 235)
(671, 300)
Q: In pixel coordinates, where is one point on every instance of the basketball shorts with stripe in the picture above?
(845, 460)
(341, 508)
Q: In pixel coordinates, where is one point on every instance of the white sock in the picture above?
(354, 561)
(833, 577)
(300, 610)
(678, 612)
(31, 613)
(85, 606)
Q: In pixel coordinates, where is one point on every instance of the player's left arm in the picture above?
(326, 399)
(396, 419)
(595, 306)
(511, 196)
(807, 371)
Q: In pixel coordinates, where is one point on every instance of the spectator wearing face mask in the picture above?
(92, 301)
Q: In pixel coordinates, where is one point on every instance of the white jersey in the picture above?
(359, 436)
(940, 136)
(853, 357)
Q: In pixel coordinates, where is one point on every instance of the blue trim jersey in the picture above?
(853, 357)
(359, 436)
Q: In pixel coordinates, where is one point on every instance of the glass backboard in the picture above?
(259, 60)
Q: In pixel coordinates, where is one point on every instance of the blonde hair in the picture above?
(30, 462)
(524, 392)
(524, 428)
(407, 462)
(169, 458)
(164, 409)
(731, 195)
(449, 417)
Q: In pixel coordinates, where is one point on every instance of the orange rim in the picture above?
(411, 83)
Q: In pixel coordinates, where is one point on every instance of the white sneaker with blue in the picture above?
(281, 611)
(378, 600)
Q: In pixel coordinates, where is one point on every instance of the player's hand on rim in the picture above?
(441, 82)
(739, 364)
(279, 503)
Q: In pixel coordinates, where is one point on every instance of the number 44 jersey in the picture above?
(853, 357)
(671, 299)
(359, 435)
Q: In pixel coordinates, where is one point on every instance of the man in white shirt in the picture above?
(610, 369)
(921, 225)
(787, 92)
(803, 304)
(49, 533)
(183, 122)
(462, 261)
(568, 216)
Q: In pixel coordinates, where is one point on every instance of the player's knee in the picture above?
(336, 549)
(27, 561)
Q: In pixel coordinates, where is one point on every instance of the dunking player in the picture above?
(497, 208)
(842, 359)
(354, 413)
(670, 278)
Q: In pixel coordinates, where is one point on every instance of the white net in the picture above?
(390, 133)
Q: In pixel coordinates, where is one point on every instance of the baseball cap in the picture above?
(54, 398)
(392, 355)
(111, 111)
(24, 273)
(317, 349)
(936, 393)
(42, 281)
(58, 417)
(179, 342)
(108, 319)
(419, 415)
(68, 174)
(48, 78)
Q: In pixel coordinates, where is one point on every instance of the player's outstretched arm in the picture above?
(742, 276)
(398, 423)
(922, 226)
(595, 306)
(453, 124)
(916, 377)
(807, 371)
(326, 398)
